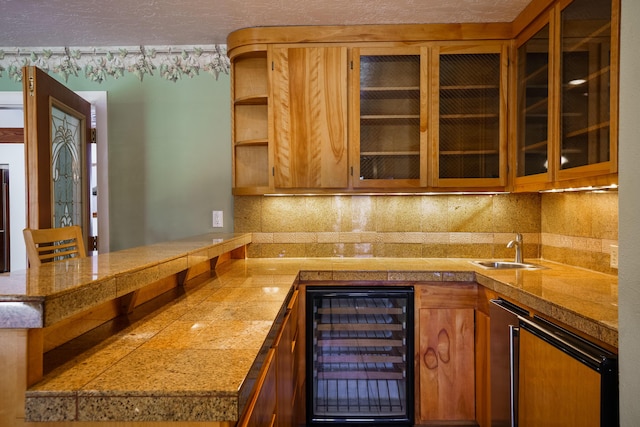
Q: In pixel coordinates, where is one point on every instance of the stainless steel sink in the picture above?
(507, 265)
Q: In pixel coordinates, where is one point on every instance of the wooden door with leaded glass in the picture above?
(57, 140)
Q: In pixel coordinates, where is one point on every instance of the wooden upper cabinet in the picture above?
(388, 117)
(429, 107)
(468, 112)
(309, 110)
(588, 93)
(567, 97)
(430, 117)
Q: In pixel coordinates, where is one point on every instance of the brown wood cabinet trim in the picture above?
(370, 33)
(11, 135)
(534, 9)
(614, 84)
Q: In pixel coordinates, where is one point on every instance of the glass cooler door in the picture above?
(360, 347)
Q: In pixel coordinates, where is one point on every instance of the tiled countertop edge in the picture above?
(152, 405)
(211, 407)
(91, 406)
(591, 327)
(25, 311)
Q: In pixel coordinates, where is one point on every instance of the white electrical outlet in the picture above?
(614, 256)
(217, 219)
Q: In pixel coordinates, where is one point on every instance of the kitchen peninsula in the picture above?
(195, 358)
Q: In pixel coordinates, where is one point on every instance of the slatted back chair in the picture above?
(53, 244)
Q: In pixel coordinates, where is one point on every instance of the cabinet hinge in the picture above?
(94, 139)
(32, 85)
(272, 66)
(273, 171)
(351, 64)
(351, 170)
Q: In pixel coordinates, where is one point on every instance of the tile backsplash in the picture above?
(440, 226)
(579, 229)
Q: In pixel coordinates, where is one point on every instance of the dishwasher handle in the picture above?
(589, 354)
(514, 337)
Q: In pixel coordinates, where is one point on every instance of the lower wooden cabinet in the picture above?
(483, 357)
(446, 375)
(274, 400)
(446, 357)
(286, 368)
(261, 409)
(452, 358)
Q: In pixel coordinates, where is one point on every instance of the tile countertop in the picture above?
(583, 299)
(44, 295)
(194, 359)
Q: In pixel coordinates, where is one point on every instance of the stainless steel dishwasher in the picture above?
(542, 374)
(504, 361)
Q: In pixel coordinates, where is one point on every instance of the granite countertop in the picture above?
(41, 296)
(582, 299)
(194, 359)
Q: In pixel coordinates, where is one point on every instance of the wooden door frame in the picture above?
(11, 136)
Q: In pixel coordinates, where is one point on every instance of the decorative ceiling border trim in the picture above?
(99, 63)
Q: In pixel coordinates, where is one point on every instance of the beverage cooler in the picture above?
(360, 355)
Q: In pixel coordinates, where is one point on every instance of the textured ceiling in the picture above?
(44, 23)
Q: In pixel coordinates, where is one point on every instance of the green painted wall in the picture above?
(169, 155)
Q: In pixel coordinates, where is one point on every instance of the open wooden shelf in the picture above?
(252, 100)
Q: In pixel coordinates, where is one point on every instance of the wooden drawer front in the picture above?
(446, 295)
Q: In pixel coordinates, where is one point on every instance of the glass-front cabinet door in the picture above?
(588, 96)
(533, 106)
(468, 116)
(388, 122)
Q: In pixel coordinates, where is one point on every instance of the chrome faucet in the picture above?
(518, 245)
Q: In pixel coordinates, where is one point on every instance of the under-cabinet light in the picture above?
(597, 189)
(429, 193)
